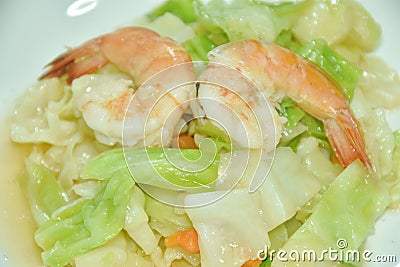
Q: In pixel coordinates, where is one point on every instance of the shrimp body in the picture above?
(148, 59)
(234, 102)
(277, 69)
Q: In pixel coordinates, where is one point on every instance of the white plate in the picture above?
(33, 32)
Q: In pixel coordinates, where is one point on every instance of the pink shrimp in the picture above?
(112, 108)
(138, 51)
(305, 83)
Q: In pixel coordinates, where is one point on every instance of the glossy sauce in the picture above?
(17, 247)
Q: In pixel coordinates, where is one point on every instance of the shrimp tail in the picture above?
(76, 62)
(345, 136)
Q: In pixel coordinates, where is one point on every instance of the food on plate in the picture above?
(212, 133)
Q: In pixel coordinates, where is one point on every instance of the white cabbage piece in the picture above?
(115, 253)
(345, 22)
(172, 255)
(379, 83)
(315, 161)
(293, 181)
(346, 213)
(241, 19)
(136, 223)
(231, 230)
(171, 26)
(379, 140)
(67, 161)
(278, 236)
(166, 219)
(172, 258)
(365, 32)
(331, 20)
(111, 254)
(288, 187)
(44, 115)
(378, 136)
(88, 189)
(165, 228)
(352, 53)
(74, 158)
(242, 168)
(157, 258)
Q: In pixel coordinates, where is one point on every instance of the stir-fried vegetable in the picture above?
(44, 192)
(90, 212)
(85, 224)
(347, 211)
(155, 166)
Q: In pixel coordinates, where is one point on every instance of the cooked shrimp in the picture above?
(233, 101)
(149, 114)
(274, 68)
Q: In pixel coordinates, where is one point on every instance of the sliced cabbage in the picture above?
(88, 189)
(338, 22)
(171, 26)
(347, 211)
(115, 253)
(231, 230)
(288, 187)
(378, 136)
(84, 224)
(379, 140)
(166, 219)
(365, 32)
(379, 83)
(153, 166)
(137, 223)
(278, 236)
(44, 193)
(66, 161)
(294, 179)
(166, 257)
(111, 254)
(242, 19)
(198, 47)
(74, 157)
(47, 114)
(44, 115)
(315, 161)
(175, 255)
(330, 20)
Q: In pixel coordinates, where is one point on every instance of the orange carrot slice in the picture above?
(186, 141)
(252, 263)
(187, 240)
